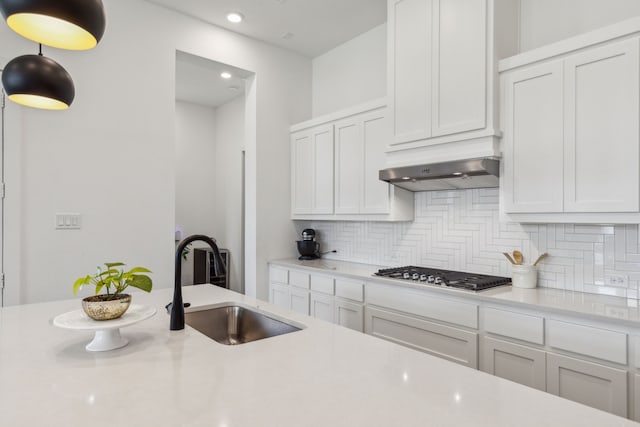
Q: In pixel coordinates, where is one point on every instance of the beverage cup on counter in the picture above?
(524, 276)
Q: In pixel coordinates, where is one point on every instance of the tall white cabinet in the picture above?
(441, 73)
(439, 51)
(571, 118)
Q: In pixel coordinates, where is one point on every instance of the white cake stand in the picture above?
(107, 335)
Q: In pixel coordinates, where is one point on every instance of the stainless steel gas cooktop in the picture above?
(444, 278)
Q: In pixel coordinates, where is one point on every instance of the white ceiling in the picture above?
(198, 81)
(317, 26)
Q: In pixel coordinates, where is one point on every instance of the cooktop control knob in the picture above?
(423, 277)
(430, 278)
(406, 275)
(438, 280)
(415, 276)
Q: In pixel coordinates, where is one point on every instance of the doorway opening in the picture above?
(210, 144)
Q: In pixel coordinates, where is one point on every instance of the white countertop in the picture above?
(323, 375)
(597, 307)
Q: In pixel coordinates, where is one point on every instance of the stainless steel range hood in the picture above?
(469, 173)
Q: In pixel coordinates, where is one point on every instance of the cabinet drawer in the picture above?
(279, 275)
(514, 325)
(599, 343)
(322, 284)
(350, 289)
(299, 279)
(443, 341)
(424, 304)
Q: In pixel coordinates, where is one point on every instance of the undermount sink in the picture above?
(233, 324)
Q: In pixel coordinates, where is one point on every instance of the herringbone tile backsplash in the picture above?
(461, 230)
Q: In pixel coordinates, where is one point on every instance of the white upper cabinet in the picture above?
(571, 117)
(312, 170)
(458, 66)
(360, 142)
(410, 45)
(533, 136)
(602, 100)
(335, 162)
(441, 72)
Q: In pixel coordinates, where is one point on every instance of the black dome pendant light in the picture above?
(65, 24)
(38, 81)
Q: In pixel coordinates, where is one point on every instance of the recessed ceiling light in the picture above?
(235, 17)
(225, 75)
(233, 88)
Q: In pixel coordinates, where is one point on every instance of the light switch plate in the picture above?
(68, 221)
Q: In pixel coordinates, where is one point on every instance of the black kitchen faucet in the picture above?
(176, 322)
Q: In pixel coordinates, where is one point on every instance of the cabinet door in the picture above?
(312, 171)
(449, 343)
(458, 66)
(589, 383)
(301, 173)
(322, 306)
(349, 144)
(517, 363)
(279, 295)
(601, 132)
(409, 72)
(323, 170)
(299, 300)
(533, 139)
(349, 315)
(375, 196)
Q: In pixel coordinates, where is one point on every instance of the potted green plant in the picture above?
(114, 303)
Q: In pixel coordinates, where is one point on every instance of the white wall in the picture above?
(355, 72)
(352, 73)
(547, 21)
(195, 172)
(111, 156)
(230, 119)
(195, 175)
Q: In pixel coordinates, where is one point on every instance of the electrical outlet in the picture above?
(620, 313)
(616, 280)
(67, 221)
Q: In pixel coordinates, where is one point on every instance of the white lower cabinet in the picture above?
(290, 297)
(299, 300)
(592, 384)
(450, 343)
(518, 363)
(321, 306)
(349, 314)
(279, 295)
(522, 346)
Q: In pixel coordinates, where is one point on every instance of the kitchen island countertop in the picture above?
(323, 375)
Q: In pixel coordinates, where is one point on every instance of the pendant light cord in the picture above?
(40, 49)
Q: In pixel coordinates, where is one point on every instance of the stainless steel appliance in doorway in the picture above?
(204, 270)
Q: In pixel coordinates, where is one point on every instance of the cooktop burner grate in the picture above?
(445, 278)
